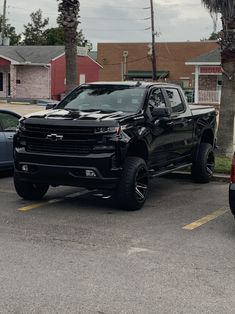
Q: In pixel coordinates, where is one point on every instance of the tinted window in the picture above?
(8, 122)
(156, 99)
(105, 98)
(175, 100)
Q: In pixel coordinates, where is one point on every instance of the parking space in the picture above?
(76, 253)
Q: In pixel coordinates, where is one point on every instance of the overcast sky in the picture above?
(124, 20)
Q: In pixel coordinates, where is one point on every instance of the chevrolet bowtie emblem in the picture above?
(54, 137)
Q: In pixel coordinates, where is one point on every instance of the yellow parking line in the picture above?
(53, 201)
(205, 219)
(32, 206)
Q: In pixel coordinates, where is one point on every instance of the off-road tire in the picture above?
(203, 165)
(133, 186)
(29, 190)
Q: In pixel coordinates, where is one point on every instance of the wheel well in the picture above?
(208, 137)
(138, 149)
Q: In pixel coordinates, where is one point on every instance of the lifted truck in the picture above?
(112, 136)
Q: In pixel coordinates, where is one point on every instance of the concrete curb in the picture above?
(219, 177)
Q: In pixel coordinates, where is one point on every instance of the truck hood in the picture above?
(61, 114)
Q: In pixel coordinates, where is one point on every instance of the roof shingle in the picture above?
(212, 56)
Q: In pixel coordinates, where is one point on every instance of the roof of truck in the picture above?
(133, 83)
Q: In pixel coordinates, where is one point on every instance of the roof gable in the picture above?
(208, 58)
(31, 54)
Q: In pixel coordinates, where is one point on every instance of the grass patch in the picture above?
(223, 164)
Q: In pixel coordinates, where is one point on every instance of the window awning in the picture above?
(146, 74)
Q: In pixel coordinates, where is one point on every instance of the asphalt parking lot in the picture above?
(76, 253)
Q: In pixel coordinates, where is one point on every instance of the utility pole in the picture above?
(154, 66)
(4, 21)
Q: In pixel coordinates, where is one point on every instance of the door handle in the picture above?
(10, 137)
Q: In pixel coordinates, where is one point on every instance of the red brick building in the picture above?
(132, 61)
(38, 72)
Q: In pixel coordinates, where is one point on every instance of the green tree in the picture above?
(214, 36)
(55, 36)
(68, 20)
(227, 40)
(33, 33)
(10, 32)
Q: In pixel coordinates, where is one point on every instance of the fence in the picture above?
(205, 96)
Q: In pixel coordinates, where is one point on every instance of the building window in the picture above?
(1, 82)
(185, 82)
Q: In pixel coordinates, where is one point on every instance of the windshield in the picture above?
(104, 98)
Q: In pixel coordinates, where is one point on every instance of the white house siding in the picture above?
(13, 80)
(33, 82)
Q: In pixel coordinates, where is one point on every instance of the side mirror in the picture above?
(161, 112)
(50, 106)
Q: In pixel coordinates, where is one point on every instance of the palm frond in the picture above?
(225, 7)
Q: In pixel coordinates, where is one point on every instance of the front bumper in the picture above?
(69, 170)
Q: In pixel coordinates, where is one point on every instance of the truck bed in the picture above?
(201, 109)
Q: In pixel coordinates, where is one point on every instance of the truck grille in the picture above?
(71, 140)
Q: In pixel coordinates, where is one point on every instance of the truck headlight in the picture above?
(106, 130)
(21, 126)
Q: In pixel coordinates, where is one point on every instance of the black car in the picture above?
(232, 187)
(8, 124)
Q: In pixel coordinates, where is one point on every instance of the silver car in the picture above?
(8, 124)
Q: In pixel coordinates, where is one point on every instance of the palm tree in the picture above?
(227, 41)
(68, 19)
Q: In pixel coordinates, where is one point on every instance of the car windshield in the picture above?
(104, 98)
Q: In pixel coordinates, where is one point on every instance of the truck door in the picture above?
(181, 125)
(161, 134)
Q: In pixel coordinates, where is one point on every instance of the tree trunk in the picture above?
(68, 19)
(226, 117)
(227, 106)
(71, 59)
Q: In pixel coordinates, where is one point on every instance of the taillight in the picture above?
(232, 176)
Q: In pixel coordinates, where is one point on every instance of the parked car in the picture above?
(232, 187)
(8, 123)
(113, 137)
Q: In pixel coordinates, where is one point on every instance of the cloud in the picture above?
(123, 21)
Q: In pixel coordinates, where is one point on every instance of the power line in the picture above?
(88, 17)
(114, 19)
(85, 6)
(114, 30)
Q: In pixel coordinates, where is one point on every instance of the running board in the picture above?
(159, 173)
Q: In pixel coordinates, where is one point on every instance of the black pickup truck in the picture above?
(112, 137)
